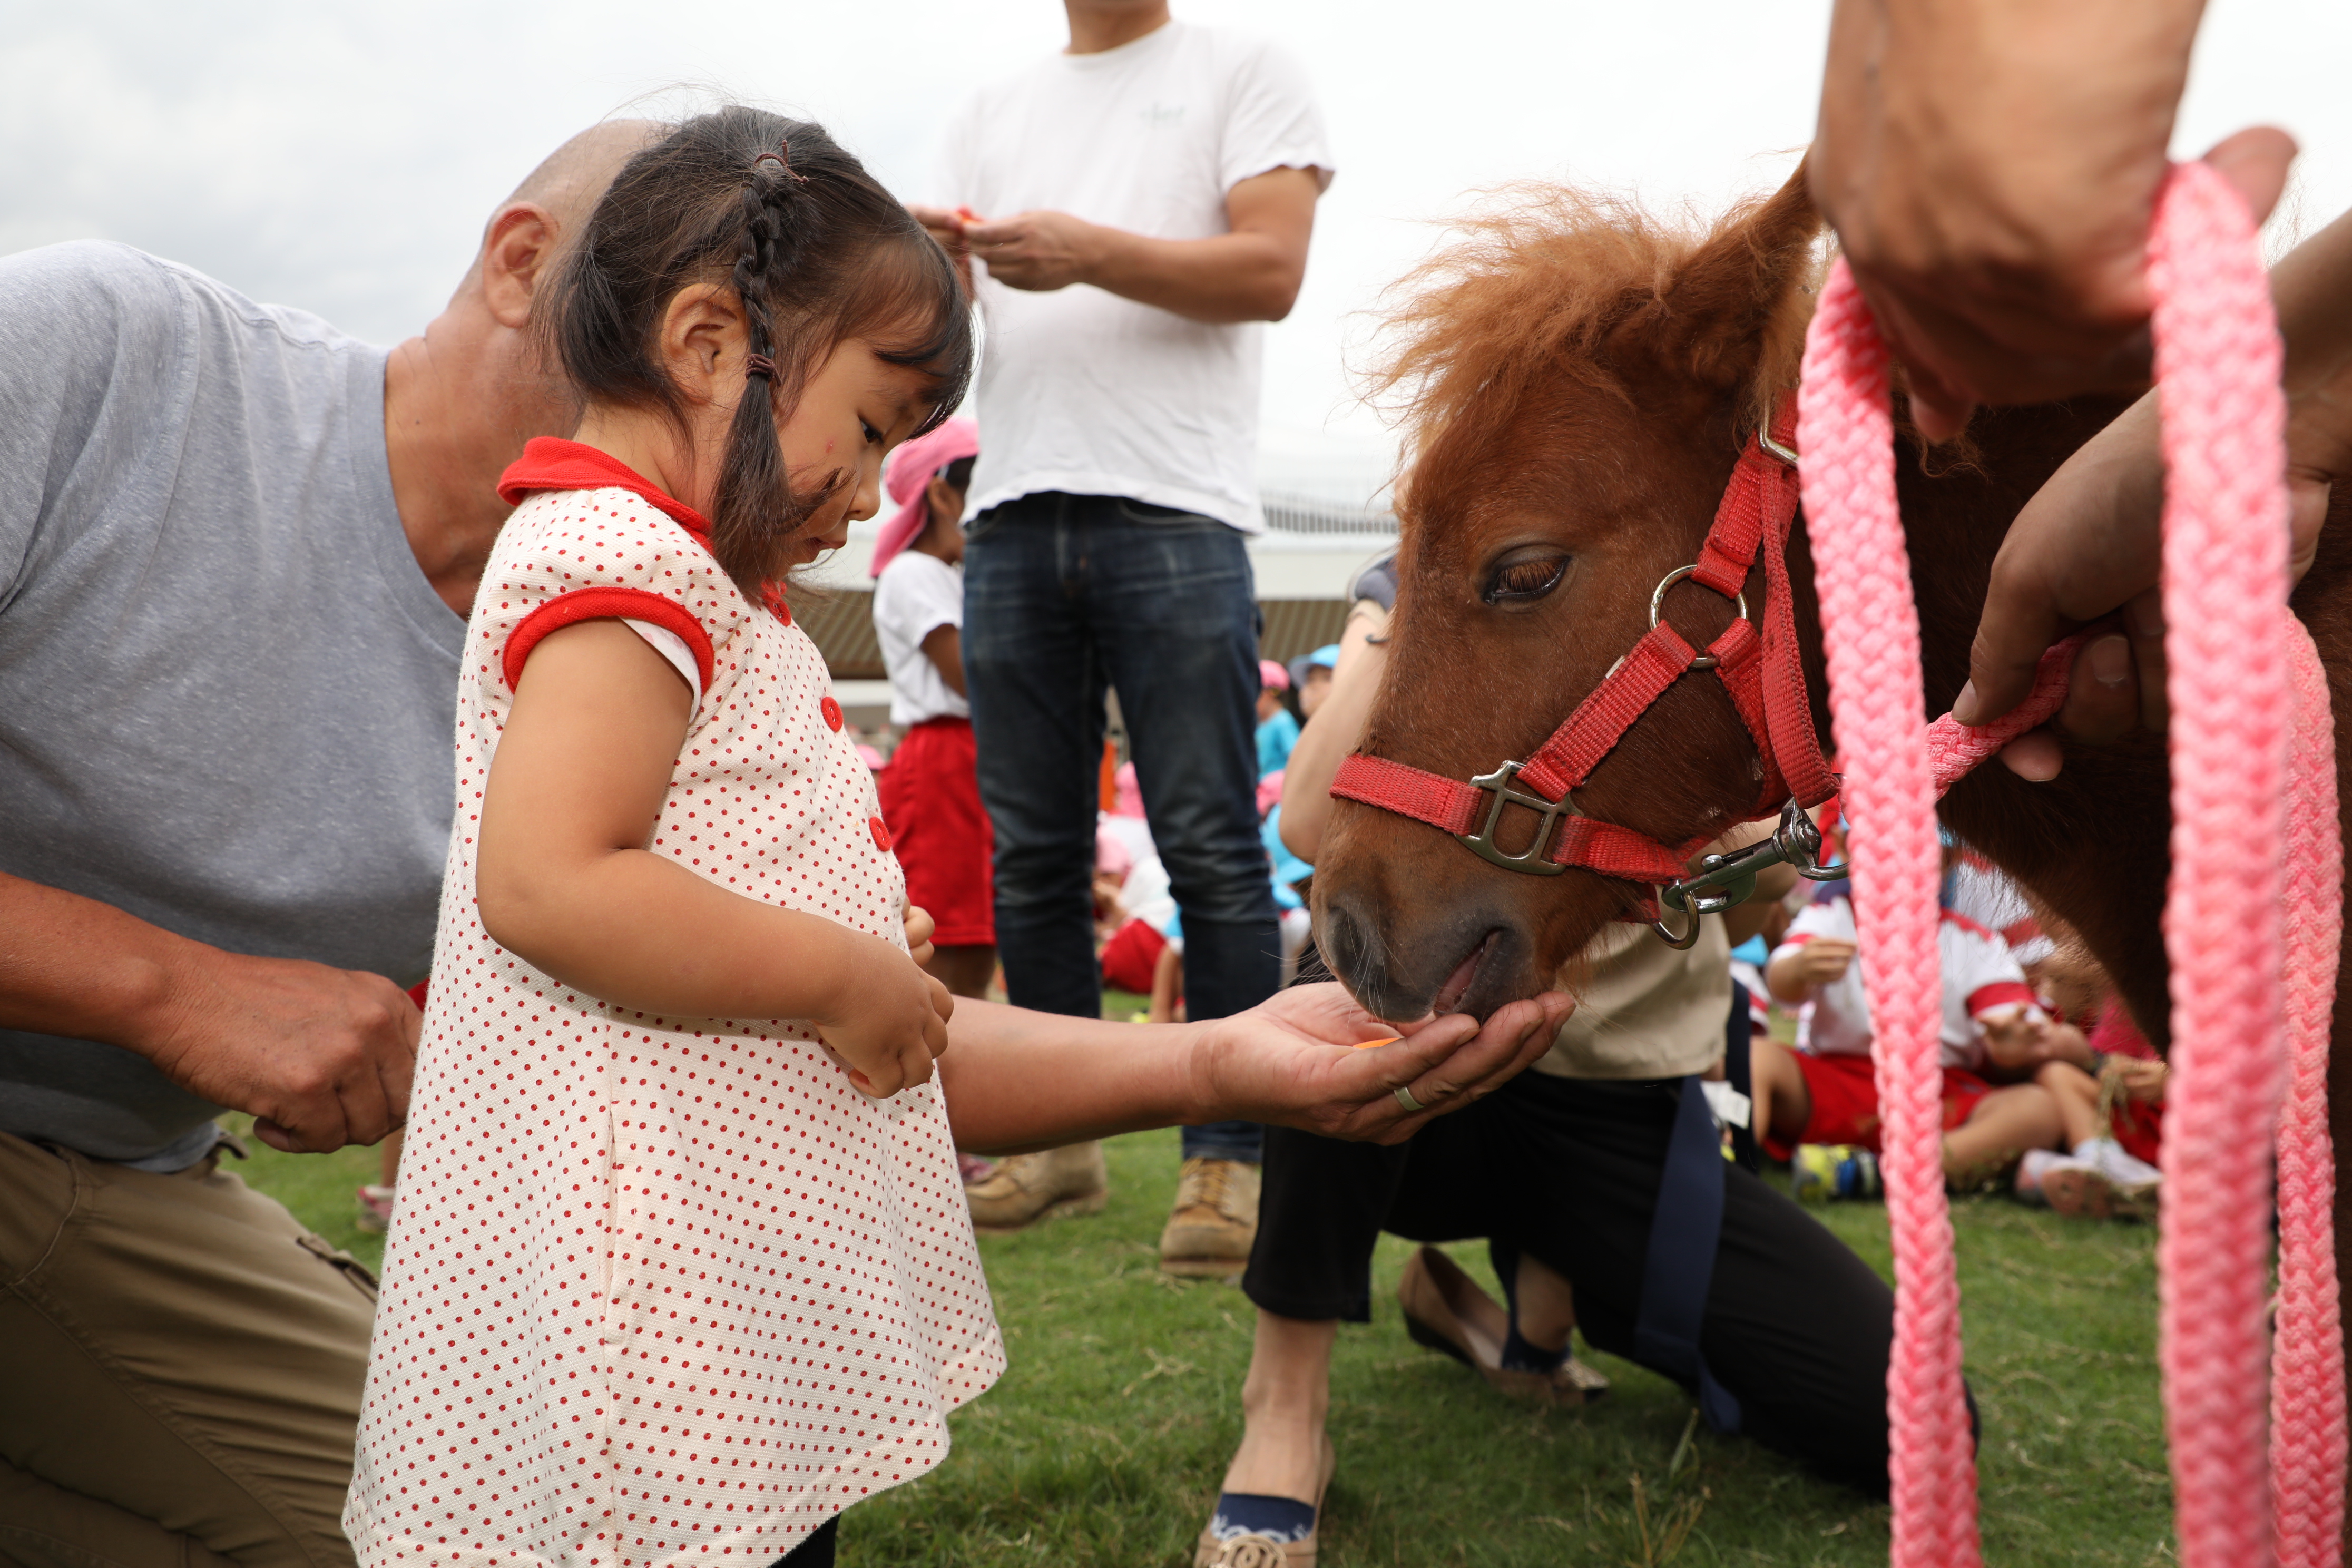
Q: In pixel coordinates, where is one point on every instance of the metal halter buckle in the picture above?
(1482, 843)
(1724, 880)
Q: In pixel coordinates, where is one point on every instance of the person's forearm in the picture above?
(1017, 1080)
(74, 966)
(1226, 277)
(1326, 740)
(635, 929)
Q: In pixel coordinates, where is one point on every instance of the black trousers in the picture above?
(1797, 1327)
(816, 1552)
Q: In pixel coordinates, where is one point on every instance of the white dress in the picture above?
(660, 1289)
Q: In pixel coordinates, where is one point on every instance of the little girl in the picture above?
(681, 1266)
(666, 1277)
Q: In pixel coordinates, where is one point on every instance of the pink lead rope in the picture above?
(2250, 715)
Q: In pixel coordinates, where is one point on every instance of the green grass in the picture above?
(1105, 1442)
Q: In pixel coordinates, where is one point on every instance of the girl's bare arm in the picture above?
(567, 880)
(1019, 1080)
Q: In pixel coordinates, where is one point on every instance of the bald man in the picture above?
(237, 553)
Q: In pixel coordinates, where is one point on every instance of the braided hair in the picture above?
(818, 253)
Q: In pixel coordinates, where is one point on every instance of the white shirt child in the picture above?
(914, 597)
(1085, 392)
(1982, 985)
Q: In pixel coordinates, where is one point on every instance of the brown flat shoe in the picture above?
(1264, 1551)
(1445, 1310)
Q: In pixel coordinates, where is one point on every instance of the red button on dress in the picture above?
(773, 597)
(832, 712)
(881, 832)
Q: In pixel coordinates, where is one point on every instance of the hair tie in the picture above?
(783, 159)
(758, 364)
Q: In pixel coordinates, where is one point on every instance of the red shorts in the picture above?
(1130, 955)
(1844, 1091)
(931, 799)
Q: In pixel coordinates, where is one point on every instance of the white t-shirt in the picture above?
(916, 595)
(1083, 391)
(1981, 981)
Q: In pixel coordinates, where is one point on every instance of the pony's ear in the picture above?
(1732, 316)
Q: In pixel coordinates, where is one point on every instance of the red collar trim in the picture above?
(550, 463)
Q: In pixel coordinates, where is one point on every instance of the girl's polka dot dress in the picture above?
(659, 1290)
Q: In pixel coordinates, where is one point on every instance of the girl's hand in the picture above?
(891, 1020)
(1288, 1061)
(919, 927)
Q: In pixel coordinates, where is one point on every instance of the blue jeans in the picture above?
(1066, 595)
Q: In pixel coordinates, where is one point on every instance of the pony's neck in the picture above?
(2090, 844)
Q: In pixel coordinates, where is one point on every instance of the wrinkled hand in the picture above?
(1288, 1061)
(320, 1056)
(1991, 168)
(1038, 251)
(891, 1024)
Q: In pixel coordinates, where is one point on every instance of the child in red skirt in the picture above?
(1825, 1093)
(930, 794)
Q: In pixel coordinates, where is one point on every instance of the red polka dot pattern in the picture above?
(661, 1289)
(832, 712)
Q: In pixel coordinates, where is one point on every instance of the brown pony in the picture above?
(1579, 379)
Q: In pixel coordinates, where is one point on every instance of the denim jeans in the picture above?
(1066, 595)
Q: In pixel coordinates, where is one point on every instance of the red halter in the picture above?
(1764, 674)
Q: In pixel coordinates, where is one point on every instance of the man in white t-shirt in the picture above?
(1130, 210)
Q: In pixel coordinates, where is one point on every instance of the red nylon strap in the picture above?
(1600, 720)
(1443, 803)
(1615, 851)
(1787, 737)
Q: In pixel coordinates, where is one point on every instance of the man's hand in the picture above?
(1038, 251)
(321, 1057)
(1287, 1061)
(1991, 167)
(2088, 549)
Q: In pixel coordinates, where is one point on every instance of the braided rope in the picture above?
(2307, 1421)
(1870, 633)
(2225, 580)
(2245, 686)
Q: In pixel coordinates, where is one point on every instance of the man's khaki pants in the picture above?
(179, 1371)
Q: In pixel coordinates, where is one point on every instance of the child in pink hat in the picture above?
(930, 795)
(1277, 727)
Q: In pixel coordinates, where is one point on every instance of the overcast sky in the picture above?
(342, 157)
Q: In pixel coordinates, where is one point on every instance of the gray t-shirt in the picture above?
(226, 690)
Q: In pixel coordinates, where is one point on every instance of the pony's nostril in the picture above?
(1345, 943)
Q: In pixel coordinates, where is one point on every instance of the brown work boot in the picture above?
(1215, 1221)
(1026, 1188)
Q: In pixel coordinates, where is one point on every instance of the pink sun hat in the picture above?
(911, 467)
(1272, 676)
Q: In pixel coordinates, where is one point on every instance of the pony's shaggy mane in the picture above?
(1545, 285)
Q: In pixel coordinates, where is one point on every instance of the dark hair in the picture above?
(818, 252)
(958, 474)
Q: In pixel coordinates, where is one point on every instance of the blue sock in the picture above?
(1246, 1513)
(1520, 1356)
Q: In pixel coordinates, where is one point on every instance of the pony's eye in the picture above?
(1519, 581)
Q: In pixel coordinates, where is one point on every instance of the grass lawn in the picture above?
(1106, 1440)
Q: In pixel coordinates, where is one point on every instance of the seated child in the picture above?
(1824, 1093)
